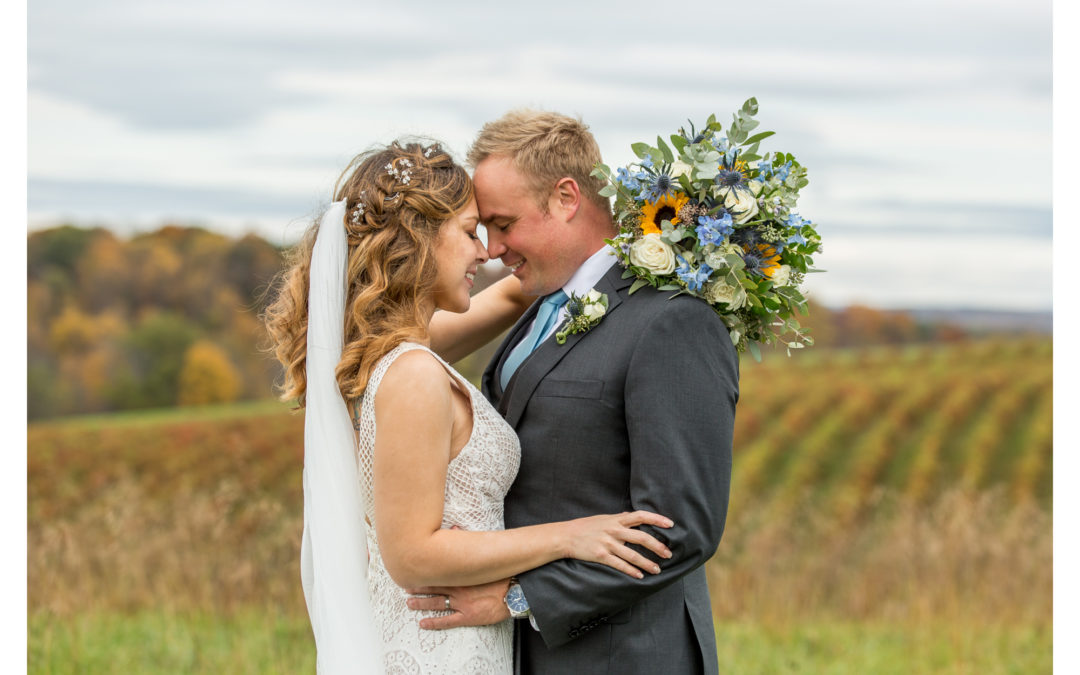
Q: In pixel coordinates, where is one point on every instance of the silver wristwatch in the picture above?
(516, 602)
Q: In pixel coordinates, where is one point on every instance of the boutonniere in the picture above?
(584, 313)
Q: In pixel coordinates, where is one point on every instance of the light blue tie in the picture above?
(545, 319)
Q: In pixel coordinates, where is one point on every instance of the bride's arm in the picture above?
(415, 421)
(491, 311)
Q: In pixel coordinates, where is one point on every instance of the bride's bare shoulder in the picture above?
(415, 375)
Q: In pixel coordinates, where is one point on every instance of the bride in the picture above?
(405, 462)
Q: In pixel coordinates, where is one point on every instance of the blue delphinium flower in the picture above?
(647, 161)
(627, 180)
(782, 172)
(693, 278)
(764, 169)
(712, 230)
(796, 222)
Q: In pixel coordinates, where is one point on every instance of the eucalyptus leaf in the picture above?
(637, 285)
(679, 142)
(668, 156)
(608, 190)
(600, 171)
(669, 287)
(757, 138)
(755, 350)
(685, 183)
(641, 149)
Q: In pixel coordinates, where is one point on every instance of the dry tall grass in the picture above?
(969, 557)
(964, 557)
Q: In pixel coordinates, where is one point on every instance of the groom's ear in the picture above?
(566, 197)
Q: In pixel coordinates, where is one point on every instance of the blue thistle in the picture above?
(656, 186)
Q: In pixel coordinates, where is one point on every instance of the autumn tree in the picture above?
(208, 376)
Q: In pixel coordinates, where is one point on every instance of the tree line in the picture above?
(171, 317)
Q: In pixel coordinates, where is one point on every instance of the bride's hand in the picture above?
(603, 539)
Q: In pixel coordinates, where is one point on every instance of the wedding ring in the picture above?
(448, 603)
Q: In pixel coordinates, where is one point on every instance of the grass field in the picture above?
(891, 513)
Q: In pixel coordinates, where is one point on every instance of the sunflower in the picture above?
(665, 208)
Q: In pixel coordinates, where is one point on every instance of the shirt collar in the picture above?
(591, 271)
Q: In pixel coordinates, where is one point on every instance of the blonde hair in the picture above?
(407, 191)
(544, 147)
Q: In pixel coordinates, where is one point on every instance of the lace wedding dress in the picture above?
(476, 482)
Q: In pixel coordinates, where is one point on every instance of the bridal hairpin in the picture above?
(402, 175)
(358, 212)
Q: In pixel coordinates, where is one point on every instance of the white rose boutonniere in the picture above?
(653, 254)
(584, 312)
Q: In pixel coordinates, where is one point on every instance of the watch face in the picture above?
(515, 600)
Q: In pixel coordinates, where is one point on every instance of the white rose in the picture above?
(782, 276)
(593, 296)
(720, 291)
(680, 169)
(741, 202)
(653, 254)
(593, 311)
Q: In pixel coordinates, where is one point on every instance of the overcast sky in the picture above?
(926, 125)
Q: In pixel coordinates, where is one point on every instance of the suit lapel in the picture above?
(550, 352)
(492, 389)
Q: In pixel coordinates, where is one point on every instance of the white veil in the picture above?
(333, 551)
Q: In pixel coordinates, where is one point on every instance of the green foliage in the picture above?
(60, 247)
(155, 351)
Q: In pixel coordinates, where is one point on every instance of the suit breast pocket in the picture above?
(554, 388)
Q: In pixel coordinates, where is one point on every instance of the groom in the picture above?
(636, 413)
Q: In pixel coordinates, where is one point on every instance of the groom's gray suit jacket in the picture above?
(638, 413)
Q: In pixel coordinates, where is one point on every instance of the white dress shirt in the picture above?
(583, 281)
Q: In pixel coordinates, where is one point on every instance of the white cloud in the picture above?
(890, 106)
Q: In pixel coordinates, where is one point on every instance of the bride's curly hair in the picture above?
(407, 191)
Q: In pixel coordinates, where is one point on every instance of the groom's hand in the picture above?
(471, 605)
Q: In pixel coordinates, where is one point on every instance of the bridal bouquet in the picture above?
(709, 216)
